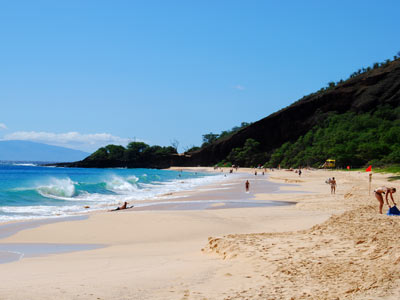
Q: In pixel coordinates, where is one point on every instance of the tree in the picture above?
(224, 134)
(100, 154)
(137, 146)
(134, 151)
(242, 125)
(175, 144)
(351, 139)
(248, 155)
(115, 152)
(209, 138)
(192, 149)
(168, 151)
(212, 137)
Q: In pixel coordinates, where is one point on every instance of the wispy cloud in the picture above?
(74, 140)
(3, 126)
(239, 87)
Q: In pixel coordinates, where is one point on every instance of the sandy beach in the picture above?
(322, 247)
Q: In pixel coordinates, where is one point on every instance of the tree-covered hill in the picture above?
(355, 121)
(352, 139)
(135, 155)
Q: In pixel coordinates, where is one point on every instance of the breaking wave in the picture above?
(58, 188)
(51, 192)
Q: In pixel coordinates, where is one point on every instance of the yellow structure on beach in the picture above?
(329, 163)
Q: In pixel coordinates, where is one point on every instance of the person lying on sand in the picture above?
(384, 190)
(124, 206)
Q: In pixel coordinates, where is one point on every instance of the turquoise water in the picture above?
(29, 191)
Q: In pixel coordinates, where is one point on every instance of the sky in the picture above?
(84, 74)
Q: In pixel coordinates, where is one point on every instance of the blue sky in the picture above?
(83, 74)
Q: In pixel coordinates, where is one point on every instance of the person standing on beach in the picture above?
(247, 184)
(384, 190)
(333, 185)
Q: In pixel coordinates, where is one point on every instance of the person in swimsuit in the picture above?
(247, 184)
(333, 185)
(124, 206)
(384, 190)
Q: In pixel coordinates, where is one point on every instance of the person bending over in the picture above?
(384, 190)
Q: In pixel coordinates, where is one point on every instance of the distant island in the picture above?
(31, 151)
(355, 121)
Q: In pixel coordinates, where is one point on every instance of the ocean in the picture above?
(30, 191)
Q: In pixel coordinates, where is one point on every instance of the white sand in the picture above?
(223, 253)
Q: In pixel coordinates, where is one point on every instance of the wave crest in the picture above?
(121, 186)
(58, 188)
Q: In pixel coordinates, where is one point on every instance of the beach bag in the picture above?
(393, 211)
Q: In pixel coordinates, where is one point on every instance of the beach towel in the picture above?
(393, 211)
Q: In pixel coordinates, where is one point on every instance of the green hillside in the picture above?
(352, 139)
(356, 122)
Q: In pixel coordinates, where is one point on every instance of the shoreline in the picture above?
(228, 197)
(80, 195)
(158, 254)
(202, 191)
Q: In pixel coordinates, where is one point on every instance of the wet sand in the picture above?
(12, 228)
(229, 194)
(15, 251)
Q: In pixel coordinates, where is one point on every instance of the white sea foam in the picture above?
(133, 179)
(58, 188)
(120, 185)
(37, 211)
(178, 185)
(25, 164)
(130, 188)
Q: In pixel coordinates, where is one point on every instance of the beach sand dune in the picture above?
(355, 253)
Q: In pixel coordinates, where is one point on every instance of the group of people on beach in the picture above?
(378, 192)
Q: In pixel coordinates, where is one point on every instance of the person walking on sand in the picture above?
(247, 184)
(384, 190)
(333, 185)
